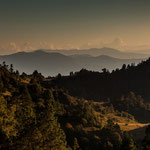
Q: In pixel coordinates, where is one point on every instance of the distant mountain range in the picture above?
(102, 51)
(50, 64)
(145, 51)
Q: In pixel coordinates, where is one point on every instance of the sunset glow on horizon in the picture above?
(74, 24)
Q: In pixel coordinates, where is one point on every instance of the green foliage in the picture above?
(128, 142)
(28, 115)
(45, 134)
(76, 145)
(8, 122)
(134, 105)
(35, 116)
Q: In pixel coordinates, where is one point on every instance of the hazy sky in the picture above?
(31, 24)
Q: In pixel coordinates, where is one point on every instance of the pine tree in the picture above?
(43, 134)
(11, 68)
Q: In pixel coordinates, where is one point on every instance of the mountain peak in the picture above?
(40, 51)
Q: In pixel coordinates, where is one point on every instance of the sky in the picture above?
(74, 24)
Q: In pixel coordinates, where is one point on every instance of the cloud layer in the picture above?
(117, 43)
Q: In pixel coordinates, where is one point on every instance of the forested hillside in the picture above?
(104, 85)
(38, 113)
(127, 89)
